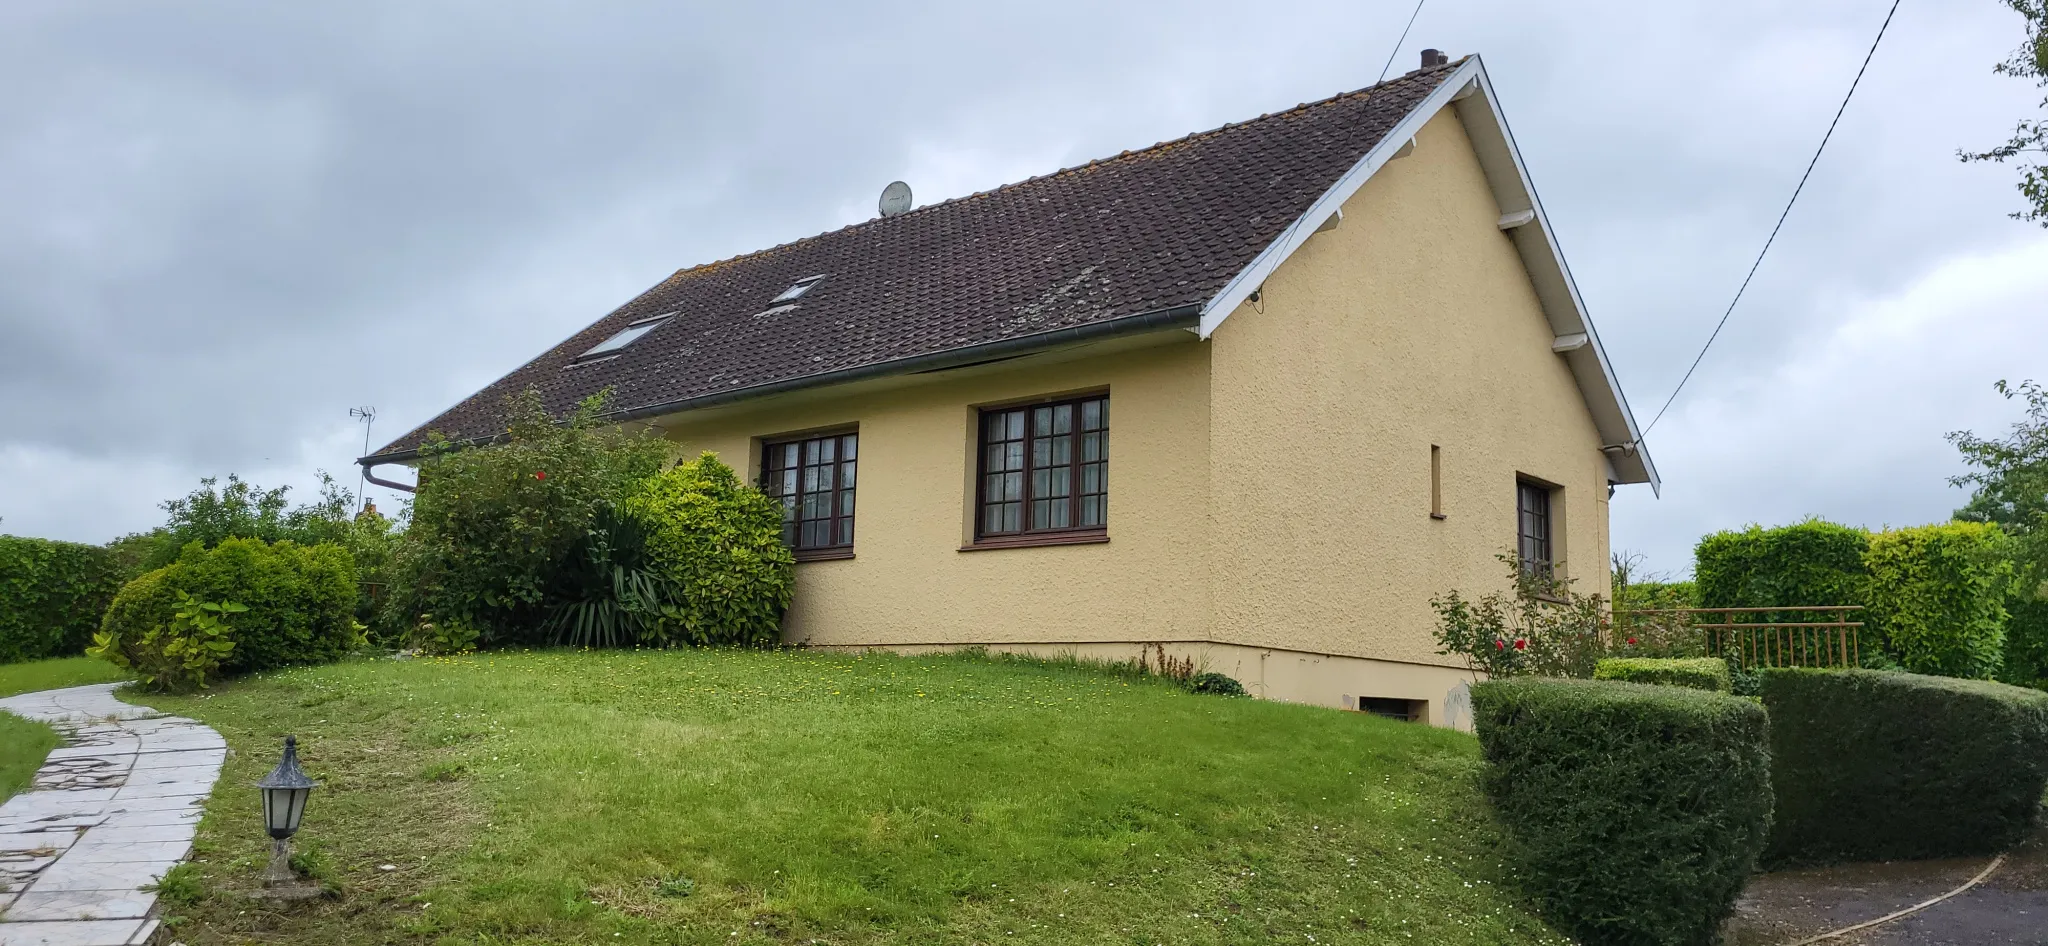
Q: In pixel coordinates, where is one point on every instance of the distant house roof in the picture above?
(1149, 238)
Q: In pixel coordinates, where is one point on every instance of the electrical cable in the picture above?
(1396, 51)
(1774, 230)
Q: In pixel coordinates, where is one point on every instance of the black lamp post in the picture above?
(285, 791)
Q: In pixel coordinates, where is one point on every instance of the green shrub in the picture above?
(184, 655)
(1633, 814)
(1937, 595)
(1811, 564)
(1700, 673)
(1878, 766)
(301, 600)
(1215, 683)
(718, 542)
(51, 596)
(2026, 643)
(492, 526)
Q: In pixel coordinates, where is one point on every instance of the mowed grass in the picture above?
(24, 744)
(54, 674)
(718, 797)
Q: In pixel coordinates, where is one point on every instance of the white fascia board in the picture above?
(1476, 106)
(1402, 135)
(1555, 288)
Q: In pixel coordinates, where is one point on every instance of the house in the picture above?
(1254, 395)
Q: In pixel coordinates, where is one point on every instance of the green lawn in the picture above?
(720, 797)
(23, 744)
(52, 674)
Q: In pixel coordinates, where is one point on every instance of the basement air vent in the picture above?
(1407, 711)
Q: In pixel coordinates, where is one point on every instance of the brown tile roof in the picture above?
(1147, 231)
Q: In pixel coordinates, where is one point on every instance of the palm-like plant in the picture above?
(611, 594)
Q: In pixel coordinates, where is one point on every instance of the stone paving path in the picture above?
(109, 813)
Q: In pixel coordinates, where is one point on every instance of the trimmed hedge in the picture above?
(1634, 814)
(1937, 594)
(51, 596)
(1811, 564)
(1700, 673)
(1874, 765)
(301, 600)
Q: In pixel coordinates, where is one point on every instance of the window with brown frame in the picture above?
(1045, 470)
(814, 478)
(1532, 506)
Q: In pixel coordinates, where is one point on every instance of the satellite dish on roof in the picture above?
(895, 198)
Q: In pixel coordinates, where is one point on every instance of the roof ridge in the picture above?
(1119, 156)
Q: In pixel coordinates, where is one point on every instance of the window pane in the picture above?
(1091, 447)
(1062, 482)
(1041, 514)
(1013, 486)
(1041, 420)
(1013, 456)
(810, 478)
(1013, 425)
(1063, 419)
(1091, 510)
(1091, 478)
(1063, 451)
(992, 427)
(1091, 415)
(827, 450)
(1013, 517)
(848, 445)
(846, 503)
(1039, 482)
(846, 530)
(1041, 452)
(789, 454)
(845, 476)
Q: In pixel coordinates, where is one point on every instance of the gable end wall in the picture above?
(1412, 323)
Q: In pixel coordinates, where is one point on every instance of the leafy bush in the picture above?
(718, 542)
(1811, 564)
(51, 596)
(1216, 683)
(2025, 662)
(1544, 628)
(1937, 595)
(492, 525)
(1878, 766)
(213, 513)
(301, 600)
(181, 656)
(1633, 814)
(1701, 673)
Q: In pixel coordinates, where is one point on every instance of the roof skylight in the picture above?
(802, 286)
(626, 336)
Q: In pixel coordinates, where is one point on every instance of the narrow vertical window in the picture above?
(1436, 482)
(1044, 469)
(1534, 547)
(815, 479)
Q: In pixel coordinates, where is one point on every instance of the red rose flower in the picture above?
(1631, 640)
(1500, 644)
(1521, 644)
(540, 474)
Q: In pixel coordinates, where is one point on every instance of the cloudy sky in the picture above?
(223, 225)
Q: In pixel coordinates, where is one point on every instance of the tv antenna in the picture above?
(368, 416)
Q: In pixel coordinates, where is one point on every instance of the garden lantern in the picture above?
(285, 791)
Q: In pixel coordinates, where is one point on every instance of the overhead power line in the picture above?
(1780, 225)
(1396, 51)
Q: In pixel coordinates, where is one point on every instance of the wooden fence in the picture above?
(1754, 637)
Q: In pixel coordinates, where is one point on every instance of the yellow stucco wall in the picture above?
(909, 583)
(1413, 323)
